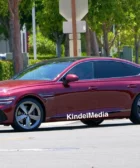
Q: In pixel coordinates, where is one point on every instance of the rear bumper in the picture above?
(3, 117)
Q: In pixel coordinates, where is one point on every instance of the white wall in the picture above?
(4, 46)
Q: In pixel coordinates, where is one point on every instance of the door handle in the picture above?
(132, 86)
(92, 88)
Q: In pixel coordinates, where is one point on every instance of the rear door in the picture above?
(116, 89)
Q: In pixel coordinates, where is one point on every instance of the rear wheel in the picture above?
(135, 112)
(28, 115)
(92, 122)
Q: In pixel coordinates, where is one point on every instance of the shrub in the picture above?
(44, 45)
(42, 57)
(6, 70)
(32, 61)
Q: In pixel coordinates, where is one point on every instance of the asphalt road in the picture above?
(115, 144)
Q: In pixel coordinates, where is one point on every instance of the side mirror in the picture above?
(70, 78)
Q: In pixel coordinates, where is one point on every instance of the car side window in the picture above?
(83, 71)
(108, 69)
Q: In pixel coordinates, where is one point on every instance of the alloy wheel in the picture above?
(28, 115)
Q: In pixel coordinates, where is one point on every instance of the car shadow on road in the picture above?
(70, 127)
(83, 127)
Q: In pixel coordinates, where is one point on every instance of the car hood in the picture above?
(14, 84)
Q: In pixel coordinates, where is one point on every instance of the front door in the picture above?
(79, 97)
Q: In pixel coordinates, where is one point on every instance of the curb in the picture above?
(59, 123)
(49, 124)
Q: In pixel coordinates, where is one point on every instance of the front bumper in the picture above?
(3, 117)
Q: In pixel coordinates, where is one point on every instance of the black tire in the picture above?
(32, 120)
(92, 122)
(135, 111)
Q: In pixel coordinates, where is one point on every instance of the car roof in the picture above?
(85, 58)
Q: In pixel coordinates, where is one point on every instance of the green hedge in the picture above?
(43, 44)
(32, 61)
(6, 70)
(42, 57)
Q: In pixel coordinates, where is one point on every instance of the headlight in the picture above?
(6, 100)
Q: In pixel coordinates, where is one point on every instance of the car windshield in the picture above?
(45, 71)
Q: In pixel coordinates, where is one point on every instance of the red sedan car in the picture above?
(81, 88)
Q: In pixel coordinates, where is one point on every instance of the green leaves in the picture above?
(6, 70)
(49, 19)
(109, 12)
(3, 8)
(44, 45)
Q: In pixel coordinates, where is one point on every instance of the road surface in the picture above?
(114, 144)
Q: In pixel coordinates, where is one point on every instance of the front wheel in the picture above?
(92, 122)
(28, 115)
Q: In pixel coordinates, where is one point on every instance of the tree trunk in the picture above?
(66, 45)
(88, 40)
(58, 49)
(94, 44)
(118, 46)
(58, 38)
(11, 35)
(136, 47)
(105, 39)
(15, 33)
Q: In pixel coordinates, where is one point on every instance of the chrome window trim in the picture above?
(94, 70)
(118, 61)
